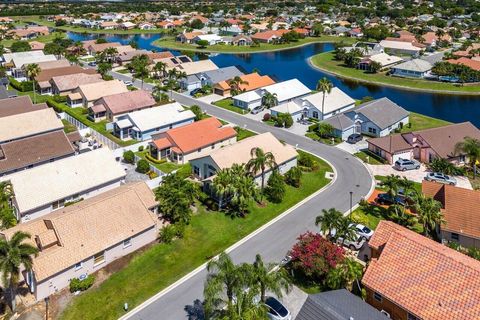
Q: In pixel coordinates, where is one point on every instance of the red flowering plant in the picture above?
(315, 256)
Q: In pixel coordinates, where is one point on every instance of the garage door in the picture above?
(403, 155)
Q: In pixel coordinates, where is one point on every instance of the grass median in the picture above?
(208, 234)
(325, 61)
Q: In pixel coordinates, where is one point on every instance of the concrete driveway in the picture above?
(353, 148)
(414, 175)
(211, 98)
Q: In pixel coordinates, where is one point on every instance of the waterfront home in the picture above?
(188, 37)
(415, 68)
(45, 76)
(471, 63)
(460, 212)
(18, 105)
(177, 145)
(127, 25)
(112, 107)
(425, 145)
(210, 78)
(340, 31)
(385, 60)
(212, 39)
(141, 125)
(336, 305)
(91, 92)
(92, 47)
(284, 91)
(15, 62)
(413, 277)
(108, 25)
(77, 241)
(396, 46)
(194, 67)
(205, 168)
(248, 82)
(67, 180)
(64, 85)
(126, 57)
(268, 36)
(28, 33)
(166, 24)
(242, 40)
(146, 26)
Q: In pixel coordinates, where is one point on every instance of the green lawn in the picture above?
(68, 127)
(372, 158)
(228, 104)
(44, 39)
(122, 71)
(421, 122)
(243, 133)
(314, 136)
(370, 217)
(208, 234)
(170, 43)
(325, 61)
(166, 167)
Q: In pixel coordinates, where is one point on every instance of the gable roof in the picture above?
(72, 81)
(418, 65)
(426, 278)
(461, 208)
(18, 105)
(93, 91)
(48, 74)
(252, 81)
(75, 233)
(391, 143)
(160, 116)
(206, 132)
(126, 101)
(473, 64)
(197, 66)
(383, 112)
(335, 100)
(337, 305)
(286, 90)
(340, 122)
(222, 74)
(64, 178)
(27, 57)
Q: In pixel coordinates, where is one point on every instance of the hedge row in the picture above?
(24, 86)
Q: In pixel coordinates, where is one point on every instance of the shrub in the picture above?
(81, 285)
(143, 166)
(288, 121)
(307, 161)
(129, 156)
(275, 189)
(152, 159)
(312, 127)
(59, 99)
(445, 167)
(152, 175)
(167, 234)
(293, 177)
(267, 116)
(23, 86)
(140, 149)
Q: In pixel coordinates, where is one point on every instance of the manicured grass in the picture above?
(243, 133)
(170, 43)
(166, 167)
(417, 185)
(122, 71)
(228, 104)
(325, 61)
(44, 39)
(314, 136)
(372, 158)
(68, 127)
(422, 122)
(208, 234)
(369, 218)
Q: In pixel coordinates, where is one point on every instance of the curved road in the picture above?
(275, 240)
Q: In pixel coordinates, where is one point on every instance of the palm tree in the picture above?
(159, 92)
(245, 191)
(14, 254)
(110, 54)
(328, 220)
(139, 65)
(399, 215)
(346, 230)
(267, 280)
(324, 85)
(428, 213)
(223, 185)
(160, 67)
(235, 84)
(391, 184)
(439, 33)
(471, 148)
(344, 274)
(7, 216)
(270, 100)
(32, 71)
(260, 162)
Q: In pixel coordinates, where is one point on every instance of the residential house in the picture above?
(425, 145)
(396, 46)
(146, 26)
(36, 46)
(242, 40)
(212, 39)
(81, 239)
(337, 305)
(249, 82)
(355, 33)
(177, 145)
(385, 60)
(30, 32)
(166, 24)
(415, 68)
(412, 277)
(195, 67)
(66, 84)
(44, 78)
(432, 40)
(188, 37)
(240, 153)
(92, 47)
(67, 180)
(114, 106)
(285, 91)
(141, 125)
(14, 62)
(18, 105)
(91, 92)
(460, 213)
(126, 57)
(210, 78)
(268, 36)
(340, 31)
(127, 25)
(108, 25)
(471, 63)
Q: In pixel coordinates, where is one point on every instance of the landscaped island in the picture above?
(326, 62)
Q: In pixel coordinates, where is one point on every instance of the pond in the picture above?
(292, 63)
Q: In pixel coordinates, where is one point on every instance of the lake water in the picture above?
(288, 64)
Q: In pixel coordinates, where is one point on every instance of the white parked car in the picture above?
(276, 310)
(365, 232)
(128, 83)
(356, 244)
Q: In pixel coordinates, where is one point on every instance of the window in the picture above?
(78, 266)
(99, 258)
(58, 204)
(196, 170)
(454, 236)
(127, 243)
(372, 130)
(412, 317)
(315, 114)
(377, 296)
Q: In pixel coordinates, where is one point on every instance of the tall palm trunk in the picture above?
(34, 93)
(11, 296)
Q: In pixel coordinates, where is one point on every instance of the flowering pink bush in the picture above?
(315, 256)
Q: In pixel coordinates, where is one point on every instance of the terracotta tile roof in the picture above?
(48, 74)
(98, 47)
(475, 65)
(86, 228)
(430, 37)
(267, 35)
(255, 81)
(461, 207)
(126, 101)
(191, 35)
(160, 55)
(21, 153)
(163, 143)
(206, 132)
(35, 45)
(426, 278)
(18, 105)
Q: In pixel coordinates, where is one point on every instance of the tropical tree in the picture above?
(245, 193)
(7, 216)
(159, 93)
(260, 161)
(398, 214)
(375, 66)
(224, 185)
(325, 129)
(344, 274)
(235, 85)
(268, 280)
(276, 187)
(346, 230)
(428, 213)
(471, 148)
(139, 65)
(325, 86)
(159, 69)
(103, 68)
(110, 54)
(270, 100)
(391, 185)
(32, 71)
(328, 220)
(14, 254)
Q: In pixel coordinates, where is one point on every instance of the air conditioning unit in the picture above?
(26, 217)
(386, 313)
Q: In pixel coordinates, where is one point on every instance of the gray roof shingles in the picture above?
(383, 112)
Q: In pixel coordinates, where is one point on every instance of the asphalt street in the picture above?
(274, 241)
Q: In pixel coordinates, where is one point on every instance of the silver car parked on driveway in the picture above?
(441, 178)
(405, 164)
